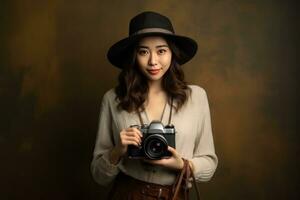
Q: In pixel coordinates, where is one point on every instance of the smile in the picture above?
(153, 71)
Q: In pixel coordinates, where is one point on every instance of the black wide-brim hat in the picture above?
(149, 24)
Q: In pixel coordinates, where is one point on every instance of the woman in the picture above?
(151, 86)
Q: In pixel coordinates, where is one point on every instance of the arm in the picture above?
(204, 161)
(102, 169)
(108, 153)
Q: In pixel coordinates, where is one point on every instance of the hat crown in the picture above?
(146, 24)
(149, 20)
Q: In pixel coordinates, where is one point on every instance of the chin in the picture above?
(153, 78)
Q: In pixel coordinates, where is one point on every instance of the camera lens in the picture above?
(155, 146)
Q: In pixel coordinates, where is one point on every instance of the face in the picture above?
(153, 57)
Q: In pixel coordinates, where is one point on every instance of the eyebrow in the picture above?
(158, 46)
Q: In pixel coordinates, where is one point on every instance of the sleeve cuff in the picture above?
(110, 168)
(204, 168)
(103, 171)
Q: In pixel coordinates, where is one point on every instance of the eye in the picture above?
(142, 52)
(162, 51)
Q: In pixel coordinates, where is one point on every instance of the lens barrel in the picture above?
(155, 146)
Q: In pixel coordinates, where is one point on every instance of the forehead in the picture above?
(152, 41)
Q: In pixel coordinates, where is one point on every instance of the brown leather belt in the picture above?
(136, 189)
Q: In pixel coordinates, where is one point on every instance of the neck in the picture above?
(155, 86)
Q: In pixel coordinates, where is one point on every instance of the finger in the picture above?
(138, 132)
(128, 131)
(172, 150)
(174, 153)
(131, 135)
(130, 138)
(134, 129)
(130, 142)
(126, 137)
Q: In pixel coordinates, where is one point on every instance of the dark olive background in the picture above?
(54, 71)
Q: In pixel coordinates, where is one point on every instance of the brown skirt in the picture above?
(128, 188)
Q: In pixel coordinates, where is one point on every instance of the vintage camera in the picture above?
(155, 141)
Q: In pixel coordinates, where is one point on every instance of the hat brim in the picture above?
(118, 52)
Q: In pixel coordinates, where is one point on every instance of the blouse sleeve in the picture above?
(204, 158)
(102, 170)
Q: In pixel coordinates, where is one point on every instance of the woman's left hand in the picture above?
(174, 162)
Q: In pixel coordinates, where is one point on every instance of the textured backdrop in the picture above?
(53, 73)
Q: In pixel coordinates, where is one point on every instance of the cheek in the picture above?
(140, 61)
(166, 61)
(141, 65)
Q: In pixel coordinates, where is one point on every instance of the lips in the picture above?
(153, 71)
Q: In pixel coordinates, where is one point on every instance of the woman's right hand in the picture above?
(128, 136)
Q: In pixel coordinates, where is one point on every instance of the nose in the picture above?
(152, 59)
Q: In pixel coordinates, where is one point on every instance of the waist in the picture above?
(137, 187)
(148, 173)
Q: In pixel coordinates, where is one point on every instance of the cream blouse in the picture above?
(194, 141)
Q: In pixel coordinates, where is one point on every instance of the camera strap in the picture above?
(170, 114)
(140, 118)
(183, 180)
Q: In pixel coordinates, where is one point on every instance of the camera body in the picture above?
(155, 141)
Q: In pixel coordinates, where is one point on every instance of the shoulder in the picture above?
(109, 96)
(110, 93)
(198, 97)
(197, 91)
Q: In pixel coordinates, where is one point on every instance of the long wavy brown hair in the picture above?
(132, 89)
